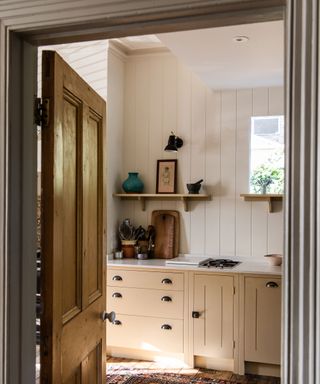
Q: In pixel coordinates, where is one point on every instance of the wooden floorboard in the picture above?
(127, 367)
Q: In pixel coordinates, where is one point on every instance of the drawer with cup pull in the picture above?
(145, 279)
(147, 333)
(145, 302)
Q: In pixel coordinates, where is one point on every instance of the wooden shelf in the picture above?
(270, 198)
(142, 197)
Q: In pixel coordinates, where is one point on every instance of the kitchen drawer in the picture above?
(145, 302)
(141, 279)
(147, 333)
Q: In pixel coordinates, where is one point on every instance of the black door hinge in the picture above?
(41, 112)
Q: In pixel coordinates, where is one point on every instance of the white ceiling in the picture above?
(221, 63)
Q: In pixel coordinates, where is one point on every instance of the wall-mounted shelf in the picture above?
(142, 197)
(270, 198)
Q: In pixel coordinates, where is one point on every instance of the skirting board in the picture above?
(214, 363)
(263, 369)
(140, 354)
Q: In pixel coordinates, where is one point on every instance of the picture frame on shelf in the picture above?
(166, 176)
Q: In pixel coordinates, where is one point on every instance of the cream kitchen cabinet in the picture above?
(262, 319)
(213, 316)
(215, 319)
(149, 307)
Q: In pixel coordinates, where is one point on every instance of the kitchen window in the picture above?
(267, 154)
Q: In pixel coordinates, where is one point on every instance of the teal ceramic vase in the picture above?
(133, 184)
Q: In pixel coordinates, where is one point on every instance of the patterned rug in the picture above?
(163, 379)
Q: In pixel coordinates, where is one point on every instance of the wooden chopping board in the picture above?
(167, 228)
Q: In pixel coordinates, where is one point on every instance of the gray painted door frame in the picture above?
(18, 148)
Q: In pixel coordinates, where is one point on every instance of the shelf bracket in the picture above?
(185, 204)
(142, 203)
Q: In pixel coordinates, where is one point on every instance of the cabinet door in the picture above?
(213, 330)
(262, 320)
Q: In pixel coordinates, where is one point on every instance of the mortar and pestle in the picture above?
(194, 188)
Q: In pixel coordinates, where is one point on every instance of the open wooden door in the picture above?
(73, 274)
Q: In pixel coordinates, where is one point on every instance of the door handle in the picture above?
(166, 281)
(117, 295)
(166, 326)
(166, 298)
(117, 278)
(272, 284)
(111, 316)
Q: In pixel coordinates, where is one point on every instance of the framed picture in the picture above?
(166, 176)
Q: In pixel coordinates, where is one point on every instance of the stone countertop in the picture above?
(245, 267)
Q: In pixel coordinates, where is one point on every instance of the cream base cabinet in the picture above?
(213, 316)
(151, 315)
(262, 319)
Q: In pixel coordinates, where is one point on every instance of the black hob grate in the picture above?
(218, 263)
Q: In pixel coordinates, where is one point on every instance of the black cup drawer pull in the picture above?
(166, 298)
(272, 284)
(195, 315)
(166, 327)
(117, 322)
(117, 278)
(117, 295)
(166, 281)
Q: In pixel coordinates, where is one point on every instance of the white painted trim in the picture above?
(125, 51)
(301, 338)
(21, 211)
(301, 325)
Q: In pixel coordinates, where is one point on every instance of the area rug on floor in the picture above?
(163, 379)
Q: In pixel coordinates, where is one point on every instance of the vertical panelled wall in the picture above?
(162, 95)
(115, 122)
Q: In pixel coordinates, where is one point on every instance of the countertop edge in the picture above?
(246, 267)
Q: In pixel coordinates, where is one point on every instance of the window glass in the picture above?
(267, 154)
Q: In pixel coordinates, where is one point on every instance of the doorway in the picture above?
(278, 98)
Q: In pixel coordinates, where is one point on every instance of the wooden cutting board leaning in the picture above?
(167, 228)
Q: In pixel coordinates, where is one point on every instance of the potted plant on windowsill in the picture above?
(263, 176)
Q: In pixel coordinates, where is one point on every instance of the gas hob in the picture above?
(218, 263)
(209, 262)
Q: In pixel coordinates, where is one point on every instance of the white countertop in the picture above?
(246, 266)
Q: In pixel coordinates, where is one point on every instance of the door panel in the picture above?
(73, 290)
(91, 207)
(71, 300)
(213, 330)
(263, 320)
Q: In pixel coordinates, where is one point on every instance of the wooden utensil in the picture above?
(167, 228)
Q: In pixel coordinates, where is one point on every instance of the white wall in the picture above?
(115, 123)
(88, 59)
(161, 95)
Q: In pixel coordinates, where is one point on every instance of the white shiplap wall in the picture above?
(161, 95)
(115, 123)
(88, 59)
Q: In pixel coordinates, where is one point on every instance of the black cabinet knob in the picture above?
(117, 295)
(195, 314)
(116, 322)
(166, 281)
(166, 327)
(166, 298)
(117, 278)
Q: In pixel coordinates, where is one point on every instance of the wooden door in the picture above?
(263, 320)
(73, 211)
(213, 330)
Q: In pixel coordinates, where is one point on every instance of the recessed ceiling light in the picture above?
(240, 39)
